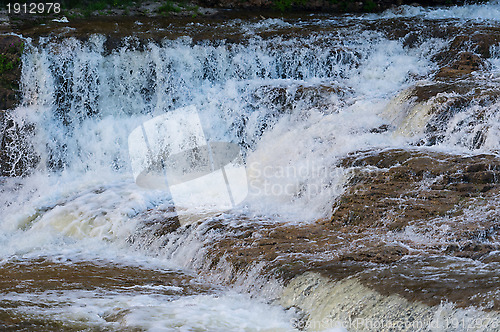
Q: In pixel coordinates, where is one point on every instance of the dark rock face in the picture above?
(17, 155)
(11, 48)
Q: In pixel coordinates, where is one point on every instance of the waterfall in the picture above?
(298, 105)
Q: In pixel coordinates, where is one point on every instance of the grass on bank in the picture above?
(10, 57)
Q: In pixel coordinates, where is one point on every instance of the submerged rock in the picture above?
(466, 63)
(285, 99)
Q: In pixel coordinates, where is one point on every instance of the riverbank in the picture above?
(82, 9)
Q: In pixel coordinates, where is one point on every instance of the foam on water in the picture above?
(152, 312)
(489, 11)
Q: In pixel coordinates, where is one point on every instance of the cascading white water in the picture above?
(84, 102)
(295, 106)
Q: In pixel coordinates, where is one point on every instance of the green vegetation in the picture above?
(283, 5)
(369, 6)
(9, 59)
(8, 62)
(5, 64)
(169, 6)
(98, 5)
(16, 48)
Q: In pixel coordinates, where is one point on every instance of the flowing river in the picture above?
(371, 147)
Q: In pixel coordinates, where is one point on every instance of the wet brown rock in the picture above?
(154, 224)
(39, 276)
(466, 63)
(409, 186)
(479, 42)
(381, 129)
(471, 249)
(482, 42)
(402, 212)
(380, 253)
(467, 52)
(389, 191)
(475, 39)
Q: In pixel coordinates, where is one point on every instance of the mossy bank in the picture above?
(11, 48)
